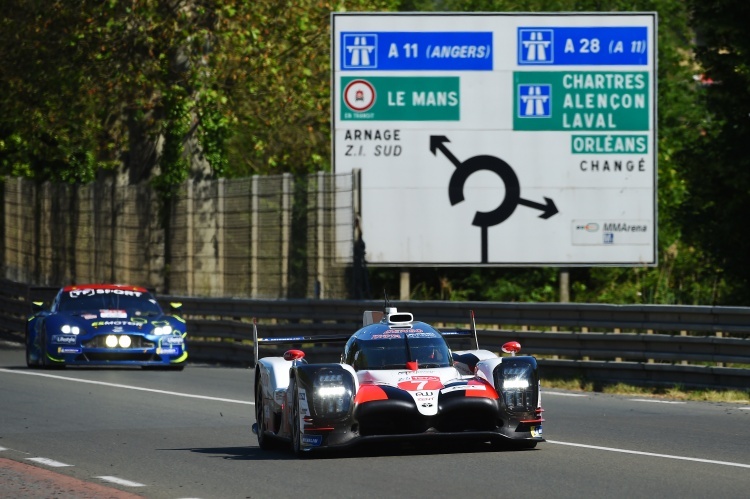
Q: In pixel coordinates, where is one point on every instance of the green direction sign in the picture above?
(603, 101)
(395, 98)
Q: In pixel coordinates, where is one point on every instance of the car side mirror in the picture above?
(37, 306)
(175, 306)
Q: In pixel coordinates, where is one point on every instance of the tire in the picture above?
(263, 440)
(296, 433)
(29, 361)
(43, 361)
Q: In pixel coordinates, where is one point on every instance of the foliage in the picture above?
(212, 87)
(278, 66)
(716, 162)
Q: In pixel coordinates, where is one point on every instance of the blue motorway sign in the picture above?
(583, 46)
(416, 51)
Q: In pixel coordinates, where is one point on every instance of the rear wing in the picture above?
(291, 340)
(463, 333)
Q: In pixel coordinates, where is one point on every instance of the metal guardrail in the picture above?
(640, 344)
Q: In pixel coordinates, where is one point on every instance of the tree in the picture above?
(717, 161)
(165, 88)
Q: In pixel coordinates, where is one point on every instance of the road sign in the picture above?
(499, 139)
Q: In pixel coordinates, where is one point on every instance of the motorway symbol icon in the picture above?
(512, 198)
(535, 46)
(535, 101)
(360, 51)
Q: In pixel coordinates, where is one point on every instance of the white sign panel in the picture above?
(499, 139)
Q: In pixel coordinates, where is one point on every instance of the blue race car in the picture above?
(105, 325)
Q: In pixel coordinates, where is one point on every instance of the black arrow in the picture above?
(548, 209)
(437, 142)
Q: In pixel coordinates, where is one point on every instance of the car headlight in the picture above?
(68, 329)
(333, 393)
(162, 330)
(516, 380)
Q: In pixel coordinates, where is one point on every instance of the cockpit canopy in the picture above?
(391, 348)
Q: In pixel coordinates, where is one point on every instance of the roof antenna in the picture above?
(474, 329)
(387, 304)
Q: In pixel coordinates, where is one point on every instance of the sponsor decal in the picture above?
(392, 336)
(312, 440)
(76, 293)
(113, 314)
(425, 394)
(173, 340)
(536, 431)
(398, 331)
(60, 339)
(421, 335)
(460, 388)
(89, 317)
(69, 350)
(116, 323)
(166, 351)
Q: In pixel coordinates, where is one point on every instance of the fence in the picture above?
(260, 237)
(639, 344)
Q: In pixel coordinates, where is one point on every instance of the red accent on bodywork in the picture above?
(531, 421)
(489, 392)
(412, 365)
(293, 355)
(369, 393)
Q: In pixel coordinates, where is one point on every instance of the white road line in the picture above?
(745, 408)
(667, 456)
(658, 401)
(561, 394)
(120, 481)
(115, 385)
(48, 462)
(3, 448)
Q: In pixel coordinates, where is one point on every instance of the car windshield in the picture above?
(90, 300)
(395, 353)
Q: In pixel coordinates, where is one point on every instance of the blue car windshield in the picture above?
(134, 305)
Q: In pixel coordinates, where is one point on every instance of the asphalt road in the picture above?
(162, 434)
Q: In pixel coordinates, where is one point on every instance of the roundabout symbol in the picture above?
(485, 219)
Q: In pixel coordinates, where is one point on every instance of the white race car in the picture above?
(397, 380)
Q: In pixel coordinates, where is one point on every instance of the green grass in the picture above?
(675, 392)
